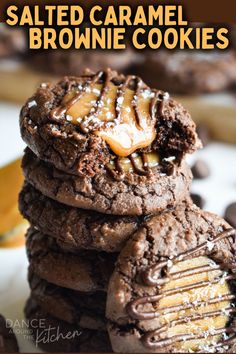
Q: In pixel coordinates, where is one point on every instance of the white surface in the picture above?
(11, 145)
(219, 190)
(14, 288)
(14, 291)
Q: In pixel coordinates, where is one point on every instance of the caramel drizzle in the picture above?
(158, 99)
(149, 279)
(184, 337)
(149, 275)
(227, 342)
(139, 84)
(58, 112)
(118, 173)
(92, 123)
(107, 77)
(172, 309)
(157, 104)
(195, 317)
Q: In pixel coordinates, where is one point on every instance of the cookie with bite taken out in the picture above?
(109, 143)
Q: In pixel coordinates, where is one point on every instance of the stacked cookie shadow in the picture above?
(104, 153)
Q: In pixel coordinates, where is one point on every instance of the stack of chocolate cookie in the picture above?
(104, 152)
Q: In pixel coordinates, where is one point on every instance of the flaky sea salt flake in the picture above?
(32, 103)
(210, 245)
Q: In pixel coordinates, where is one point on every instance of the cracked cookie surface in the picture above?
(86, 271)
(79, 140)
(73, 228)
(54, 335)
(87, 310)
(190, 73)
(136, 195)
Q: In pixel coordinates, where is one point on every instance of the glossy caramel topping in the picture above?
(136, 163)
(193, 302)
(123, 115)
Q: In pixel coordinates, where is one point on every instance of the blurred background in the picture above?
(204, 82)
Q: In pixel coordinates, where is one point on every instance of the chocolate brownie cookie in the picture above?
(95, 124)
(173, 288)
(189, 72)
(12, 42)
(55, 335)
(134, 195)
(74, 62)
(85, 271)
(200, 169)
(85, 310)
(198, 200)
(75, 229)
(8, 342)
(230, 214)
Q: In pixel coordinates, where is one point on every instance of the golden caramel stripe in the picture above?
(147, 338)
(149, 275)
(188, 319)
(132, 308)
